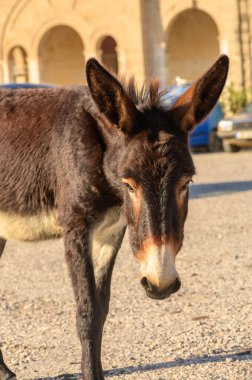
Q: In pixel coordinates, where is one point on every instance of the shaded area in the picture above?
(188, 55)
(61, 56)
(220, 188)
(237, 356)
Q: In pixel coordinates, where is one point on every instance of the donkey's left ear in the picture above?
(195, 104)
(110, 97)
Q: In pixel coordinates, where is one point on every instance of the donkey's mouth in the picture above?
(152, 292)
(158, 296)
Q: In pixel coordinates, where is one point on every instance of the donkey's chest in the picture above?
(41, 226)
(106, 238)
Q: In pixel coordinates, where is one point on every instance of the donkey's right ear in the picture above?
(110, 97)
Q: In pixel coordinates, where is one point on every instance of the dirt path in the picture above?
(203, 332)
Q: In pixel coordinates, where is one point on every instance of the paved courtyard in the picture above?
(203, 332)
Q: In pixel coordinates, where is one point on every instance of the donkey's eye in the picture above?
(186, 186)
(130, 185)
(130, 188)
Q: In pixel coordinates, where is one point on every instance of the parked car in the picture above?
(25, 85)
(205, 133)
(236, 132)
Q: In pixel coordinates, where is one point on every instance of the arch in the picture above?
(18, 67)
(192, 44)
(61, 56)
(107, 53)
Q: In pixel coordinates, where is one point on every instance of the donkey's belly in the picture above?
(35, 227)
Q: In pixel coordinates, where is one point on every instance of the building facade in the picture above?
(50, 40)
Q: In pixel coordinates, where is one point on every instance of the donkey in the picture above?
(85, 162)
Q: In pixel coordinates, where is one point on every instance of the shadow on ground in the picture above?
(237, 356)
(220, 188)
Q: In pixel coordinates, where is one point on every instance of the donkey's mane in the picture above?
(150, 96)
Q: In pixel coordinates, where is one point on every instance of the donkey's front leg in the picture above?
(107, 238)
(104, 255)
(89, 318)
(2, 245)
(5, 372)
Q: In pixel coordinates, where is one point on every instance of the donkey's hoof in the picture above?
(7, 375)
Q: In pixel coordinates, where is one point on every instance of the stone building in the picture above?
(50, 40)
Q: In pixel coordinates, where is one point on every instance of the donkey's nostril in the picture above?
(144, 282)
(175, 286)
(147, 284)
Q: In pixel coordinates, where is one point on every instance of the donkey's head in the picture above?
(148, 162)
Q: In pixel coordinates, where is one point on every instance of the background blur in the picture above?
(50, 40)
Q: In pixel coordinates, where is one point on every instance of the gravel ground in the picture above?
(202, 332)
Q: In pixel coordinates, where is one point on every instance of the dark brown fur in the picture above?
(70, 148)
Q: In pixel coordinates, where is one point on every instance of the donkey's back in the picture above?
(33, 124)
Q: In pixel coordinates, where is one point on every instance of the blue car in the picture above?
(24, 85)
(205, 133)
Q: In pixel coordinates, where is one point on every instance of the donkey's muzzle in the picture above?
(153, 292)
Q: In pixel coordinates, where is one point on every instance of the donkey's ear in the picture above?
(111, 98)
(195, 104)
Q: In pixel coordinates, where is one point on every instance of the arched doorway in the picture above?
(61, 56)
(18, 68)
(108, 54)
(192, 45)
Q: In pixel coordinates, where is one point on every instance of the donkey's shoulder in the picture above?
(41, 106)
